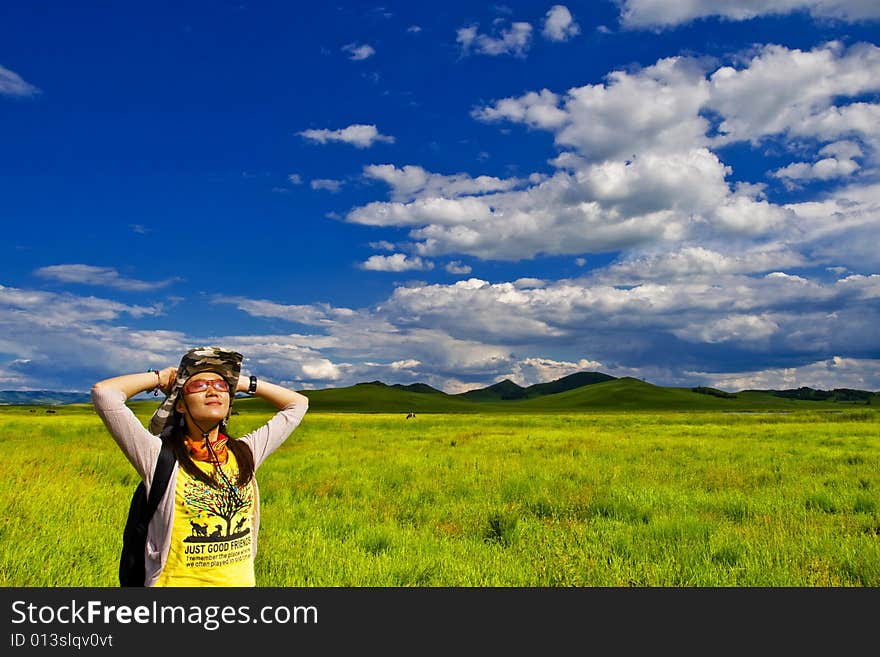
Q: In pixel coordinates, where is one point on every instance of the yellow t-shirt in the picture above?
(212, 532)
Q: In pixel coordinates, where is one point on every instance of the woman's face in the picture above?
(206, 403)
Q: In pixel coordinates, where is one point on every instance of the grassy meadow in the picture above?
(636, 498)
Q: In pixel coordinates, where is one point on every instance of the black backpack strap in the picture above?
(161, 475)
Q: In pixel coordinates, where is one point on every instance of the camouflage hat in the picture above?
(201, 359)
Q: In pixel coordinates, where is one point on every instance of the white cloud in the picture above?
(853, 120)
(527, 282)
(327, 184)
(357, 134)
(407, 364)
(823, 169)
(411, 182)
(636, 169)
(530, 371)
(841, 227)
(737, 327)
(100, 276)
(514, 41)
(669, 13)
(537, 109)
(608, 206)
(474, 330)
(396, 262)
(359, 52)
(826, 374)
(58, 310)
(313, 315)
(321, 369)
(782, 90)
(696, 262)
(455, 267)
(840, 165)
(656, 109)
(664, 107)
(11, 84)
(559, 24)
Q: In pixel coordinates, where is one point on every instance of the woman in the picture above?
(204, 531)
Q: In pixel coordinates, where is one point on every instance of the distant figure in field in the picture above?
(213, 471)
(410, 415)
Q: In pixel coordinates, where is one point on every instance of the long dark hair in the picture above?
(174, 433)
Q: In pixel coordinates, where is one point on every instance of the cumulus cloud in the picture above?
(840, 226)
(705, 274)
(407, 364)
(513, 41)
(655, 109)
(327, 184)
(11, 84)
(474, 330)
(839, 164)
(58, 310)
(357, 134)
(747, 328)
(62, 340)
(99, 276)
(607, 206)
(313, 314)
(410, 182)
(559, 25)
(669, 13)
(358, 52)
(396, 262)
(696, 262)
(320, 369)
(455, 267)
(826, 374)
(637, 166)
(789, 88)
(530, 371)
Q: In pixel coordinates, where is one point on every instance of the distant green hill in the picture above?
(611, 394)
(376, 397)
(42, 397)
(501, 391)
(583, 391)
(633, 394)
(569, 382)
(836, 395)
(507, 390)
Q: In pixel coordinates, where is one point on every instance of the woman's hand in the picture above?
(166, 379)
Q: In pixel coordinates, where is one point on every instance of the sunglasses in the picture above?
(200, 385)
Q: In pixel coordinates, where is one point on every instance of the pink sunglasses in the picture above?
(200, 385)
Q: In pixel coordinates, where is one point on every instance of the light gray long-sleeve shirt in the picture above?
(142, 450)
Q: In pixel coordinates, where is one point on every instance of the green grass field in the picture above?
(640, 498)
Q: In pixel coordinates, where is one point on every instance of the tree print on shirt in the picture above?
(217, 504)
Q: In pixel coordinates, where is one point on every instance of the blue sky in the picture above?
(364, 191)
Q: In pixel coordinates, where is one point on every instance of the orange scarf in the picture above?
(198, 450)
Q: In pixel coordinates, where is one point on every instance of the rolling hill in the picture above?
(508, 390)
(580, 392)
(596, 392)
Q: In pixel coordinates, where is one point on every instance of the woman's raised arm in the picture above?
(132, 384)
(278, 396)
